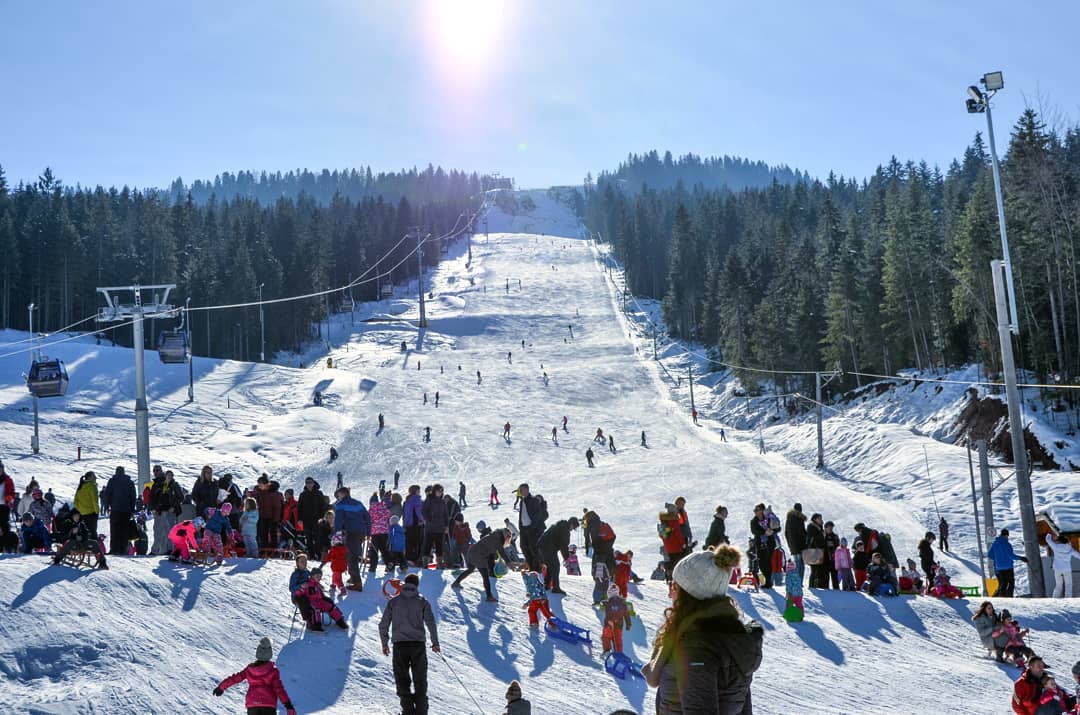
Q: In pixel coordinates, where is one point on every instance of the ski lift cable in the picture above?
(962, 382)
(43, 335)
(69, 339)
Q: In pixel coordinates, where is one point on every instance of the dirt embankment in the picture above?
(988, 418)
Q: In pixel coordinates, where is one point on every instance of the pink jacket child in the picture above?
(320, 604)
(943, 587)
(183, 540)
(842, 562)
(264, 682)
(380, 518)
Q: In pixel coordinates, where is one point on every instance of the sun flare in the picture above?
(465, 32)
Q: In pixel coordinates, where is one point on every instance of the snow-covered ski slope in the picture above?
(148, 636)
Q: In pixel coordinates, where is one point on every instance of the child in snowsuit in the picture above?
(249, 528)
(1015, 648)
(538, 600)
(616, 614)
(265, 688)
(1053, 698)
(659, 574)
(78, 536)
(573, 568)
(601, 581)
(460, 538)
(860, 561)
(622, 570)
(338, 557)
(216, 532)
(842, 562)
(943, 587)
(910, 579)
(397, 545)
(320, 604)
(183, 540)
(881, 577)
(793, 585)
(297, 579)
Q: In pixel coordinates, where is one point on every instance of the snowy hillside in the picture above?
(149, 637)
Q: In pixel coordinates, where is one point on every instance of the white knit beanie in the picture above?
(706, 574)
(265, 651)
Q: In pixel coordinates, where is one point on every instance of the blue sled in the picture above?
(564, 630)
(620, 665)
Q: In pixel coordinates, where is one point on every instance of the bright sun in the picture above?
(464, 32)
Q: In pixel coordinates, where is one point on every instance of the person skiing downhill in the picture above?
(555, 436)
(493, 500)
(643, 443)
(589, 457)
(611, 444)
(564, 429)
(506, 431)
(478, 378)
(382, 421)
(461, 495)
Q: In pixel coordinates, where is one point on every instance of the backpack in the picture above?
(543, 516)
(605, 533)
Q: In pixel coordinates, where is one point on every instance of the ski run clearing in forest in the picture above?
(149, 636)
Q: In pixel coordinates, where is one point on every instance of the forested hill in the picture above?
(715, 172)
(432, 184)
(881, 275)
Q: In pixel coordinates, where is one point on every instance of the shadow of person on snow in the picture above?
(47, 576)
(183, 577)
(861, 614)
(327, 654)
(496, 658)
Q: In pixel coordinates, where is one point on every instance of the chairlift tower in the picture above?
(34, 441)
(136, 311)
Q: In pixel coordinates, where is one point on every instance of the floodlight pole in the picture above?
(190, 352)
(1016, 431)
(1014, 324)
(34, 441)
(262, 328)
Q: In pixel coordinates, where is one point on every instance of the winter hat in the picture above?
(459, 517)
(338, 539)
(481, 525)
(210, 511)
(513, 692)
(843, 541)
(789, 566)
(574, 523)
(572, 548)
(1076, 669)
(27, 517)
(199, 522)
(412, 579)
(612, 590)
(706, 574)
(226, 508)
(929, 536)
(265, 651)
(394, 520)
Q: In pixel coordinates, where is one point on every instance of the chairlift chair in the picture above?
(172, 347)
(346, 305)
(444, 248)
(387, 290)
(47, 378)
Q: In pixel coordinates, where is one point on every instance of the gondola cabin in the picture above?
(47, 378)
(173, 347)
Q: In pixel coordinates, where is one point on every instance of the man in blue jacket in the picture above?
(351, 517)
(34, 534)
(1003, 557)
(120, 497)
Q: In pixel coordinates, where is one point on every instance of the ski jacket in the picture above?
(380, 518)
(452, 508)
(408, 613)
(1012, 632)
(351, 517)
(717, 532)
(436, 515)
(1026, 692)
(165, 496)
(1062, 554)
(120, 494)
(603, 550)
(264, 685)
(298, 578)
(1053, 702)
(205, 494)
(943, 529)
(534, 586)
(312, 591)
(310, 507)
(671, 534)
(289, 512)
(815, 537)
(486, 548)
(878, 575)
(183, 532)
(218, 524)
(795, 528)
(987, 627)
(461, 533)
(713, 658)
(414, 510)
(521, 706)
(873, 541)
(249, 523)
(9, 490)
(556, 539)
(765, 544)
(617, 613)
(533, 508)
(842, 558)
(86, 498)
(43, 510)
(793, 584)
(397, 538)
(1002, 554)
(79, 533)
(337, 558)
(36, 529)
(926, 556)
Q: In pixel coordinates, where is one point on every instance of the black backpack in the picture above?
(543, 516)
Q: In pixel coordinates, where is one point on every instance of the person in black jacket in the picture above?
(165, 500)
(205, 491)
(120, 496)
(764, 543)
(554, 541)
(531, 525)
(78, 536)
(310, 508)
(717, 530)
(704, 656)
(795, 531)
(926, 558)
(603, 550)
(815, 539)
(480, 557)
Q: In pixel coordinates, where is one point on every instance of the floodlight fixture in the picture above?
(993, 81)
(974, 107)
(975, 94)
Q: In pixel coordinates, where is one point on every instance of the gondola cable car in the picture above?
(172, 345)
(47, 378)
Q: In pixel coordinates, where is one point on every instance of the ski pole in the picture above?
(467, 692)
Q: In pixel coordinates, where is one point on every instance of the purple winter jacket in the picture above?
(414, 510)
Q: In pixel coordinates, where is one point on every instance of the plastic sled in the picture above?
(566, 631)
(620, 665)
(748, 581)
(792, 613)
(886, 589)
(391, 587)
(500, 569)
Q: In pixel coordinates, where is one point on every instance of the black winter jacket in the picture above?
(926, 555)
(485, 548)
(714, 656)
(204, 494)
(815, 536)
(310, 507)
(120, 494)
(532, 504)
(556, 539)
(795, 528)
(717, 532)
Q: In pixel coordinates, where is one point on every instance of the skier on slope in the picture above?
(506, 431)
(555, 436)
(564, 424)
(589, 457)
(611, 444)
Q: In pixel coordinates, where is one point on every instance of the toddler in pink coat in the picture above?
(842, 562)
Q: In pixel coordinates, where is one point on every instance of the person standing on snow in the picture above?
(943, 534)
(611, 444)
(506, 431)
(1004, 558)
(351, 517)
(1062, 553)
(764, 543)
(718, 529)
(436, 525)
(265, 688)
(564, 424)
(461, 495)
(403, 623)
(795, 528)
(589, 457)
(643, 444)
(554, 541)
(555, 436)
(531, 525)
(121, 497)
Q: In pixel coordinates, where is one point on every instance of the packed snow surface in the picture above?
(149, 636)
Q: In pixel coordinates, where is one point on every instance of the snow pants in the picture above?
(539, 604)
(414, 539)
(410, 677)
(119, 525)
(551, 562)
(336, 579)
(611, 636)
(1006, 583)
(1063, 585)
(163, 524)
(380, 546)
(251, 544)
(484, 573)
(181, 546)
(212, 545)
(860, 578)
(847, 581)
(434, 542)
(354, 548)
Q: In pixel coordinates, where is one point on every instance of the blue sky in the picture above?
(139, 93)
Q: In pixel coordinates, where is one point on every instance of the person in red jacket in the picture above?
(338, 558)
(264, 683)
(320, 604)
(623, 569)
(1028, 688)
